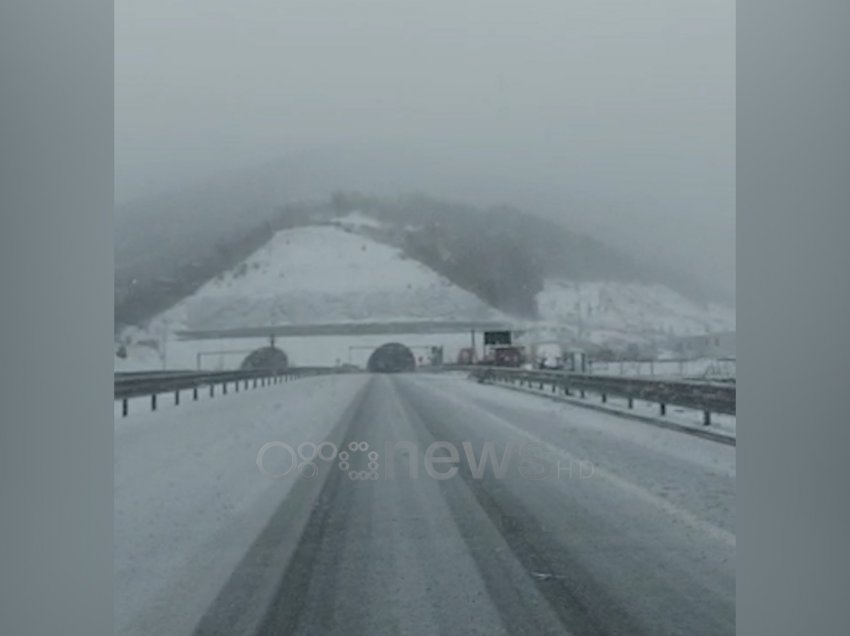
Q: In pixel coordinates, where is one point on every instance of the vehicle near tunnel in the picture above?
(392, 357)
(509, 356)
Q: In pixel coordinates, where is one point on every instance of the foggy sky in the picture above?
(616, 116)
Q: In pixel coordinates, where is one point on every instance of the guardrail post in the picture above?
(566, 389)
(153, 401)
(124, 407)
(706, 418)
(662, 408)
(212, 389)
(177, 397)
(631, 402)
(604, 398)
(581, 392)
(194, 394)
(224, 387)
(255, 383)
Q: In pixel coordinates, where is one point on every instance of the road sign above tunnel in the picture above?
(497, 338)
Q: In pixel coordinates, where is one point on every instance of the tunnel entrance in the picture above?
(266, 358)
(392, 357)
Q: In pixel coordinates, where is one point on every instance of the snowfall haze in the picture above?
(613, 118)
(350, 233)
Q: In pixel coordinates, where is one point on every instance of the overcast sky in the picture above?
(615, 115)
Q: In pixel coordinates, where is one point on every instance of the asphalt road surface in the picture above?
(577, 522)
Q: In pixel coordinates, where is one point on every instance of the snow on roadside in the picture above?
(190, 499)
(703, 368)
(697, 450)
(691, 418)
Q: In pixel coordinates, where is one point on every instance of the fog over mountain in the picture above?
(614, 120)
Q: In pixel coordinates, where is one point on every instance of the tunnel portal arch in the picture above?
(266, 358)
(392, 357)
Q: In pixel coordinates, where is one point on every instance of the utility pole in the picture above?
(578, 309)
(474, 352)
(162, 345)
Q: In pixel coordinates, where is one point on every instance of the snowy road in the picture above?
(578, 522)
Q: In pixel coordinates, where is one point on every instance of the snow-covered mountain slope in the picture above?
(613, 311)
(323, 274)
(337, 272)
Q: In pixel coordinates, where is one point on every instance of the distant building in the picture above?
(710, 345)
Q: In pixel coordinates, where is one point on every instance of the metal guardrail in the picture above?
(124, 376)
(153, 383)
(708, 397)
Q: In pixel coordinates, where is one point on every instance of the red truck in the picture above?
(508, 356)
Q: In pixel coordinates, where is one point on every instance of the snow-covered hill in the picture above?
(611, 312)
(324, 274)
(337, 272)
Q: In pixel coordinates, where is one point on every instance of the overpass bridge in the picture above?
(354, 329)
